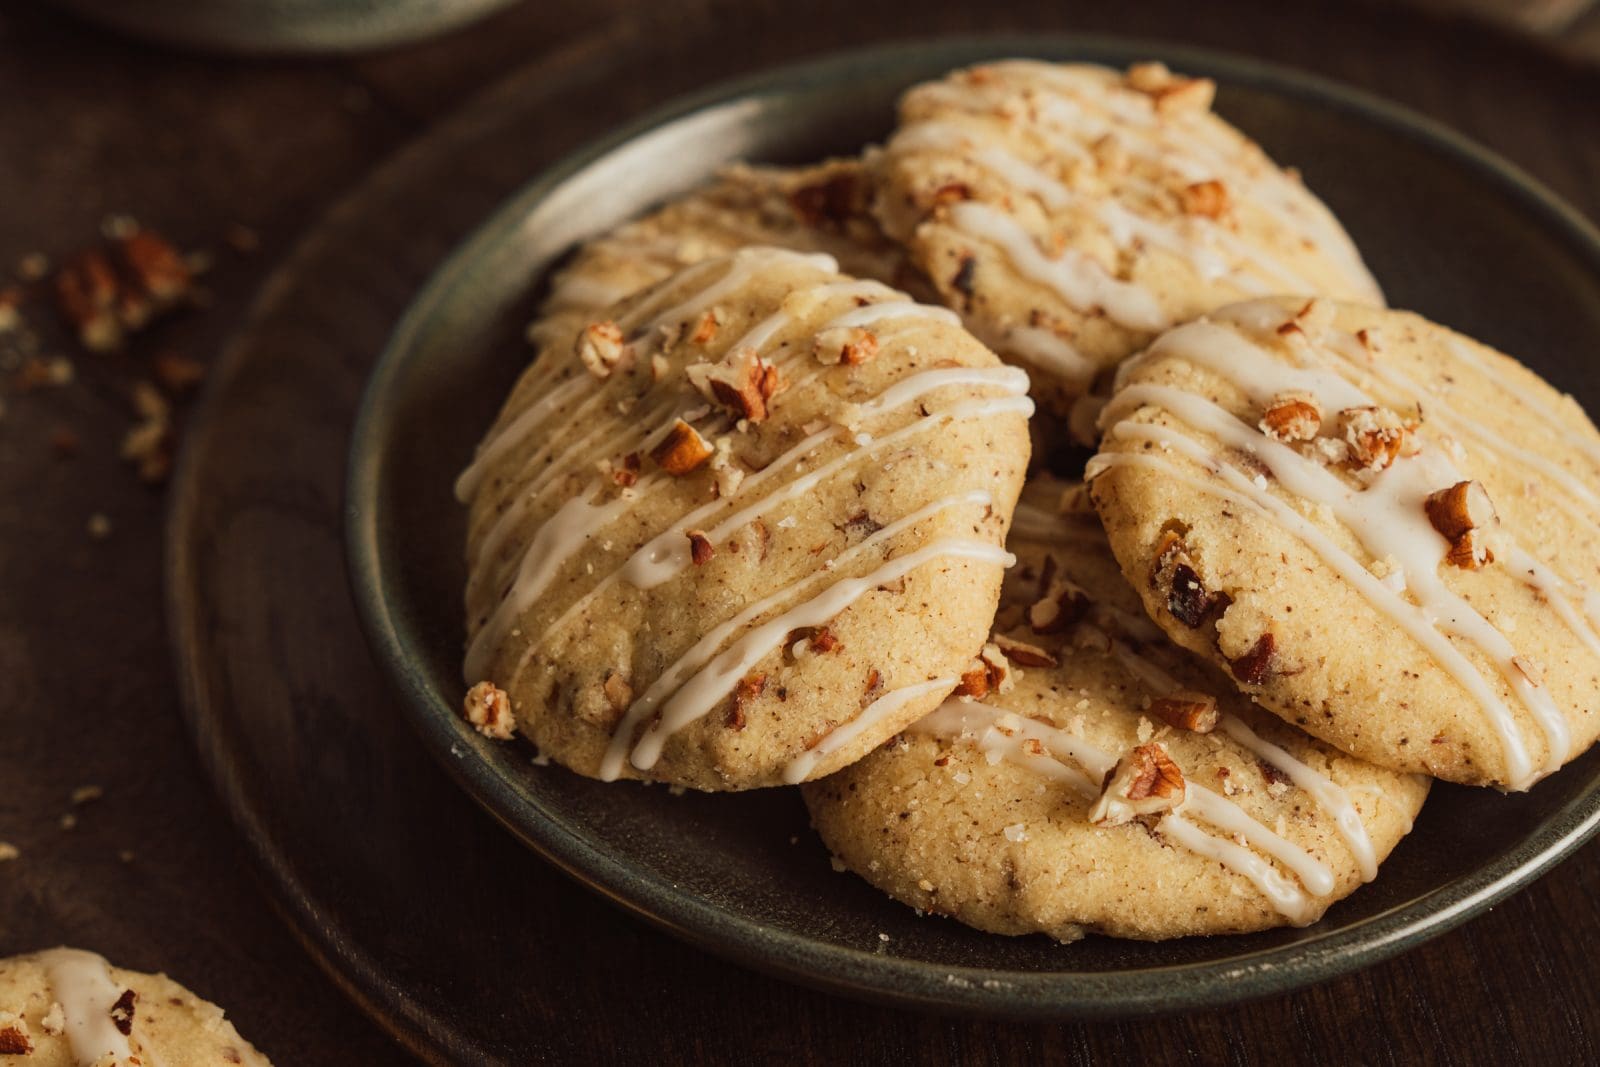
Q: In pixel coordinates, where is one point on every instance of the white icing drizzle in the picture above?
(576, 521)
(502, 440)
(667, 554)
(1002, 734)
(81, 983)
(1334, 798)
(886, 706)
(696, 657)
(743, 265)
(1073, 111)
(1079, 279)
(1327, 793)
(1405, 614)
(1387, 516)
(703, 690)
(1289, 901)
(1548, 416)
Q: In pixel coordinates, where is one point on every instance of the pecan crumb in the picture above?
(700, 547)
(1463, 513)
(682, 450)
(601, 349)
(706, 328)
(1144, 782)
(14, 1039)
(825, 640)
(1292, 416)
(743, 383)
(850, 345)
(1172, 93)
(1195, 712)
(1188, 600)
(618, 693)
(1259, 663)
(488, 708)
(749, 688)
(1024, 653)
(1374, 436)
(1207, 198)
(122, 1012)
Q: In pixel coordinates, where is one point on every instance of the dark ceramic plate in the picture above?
(1449, 230)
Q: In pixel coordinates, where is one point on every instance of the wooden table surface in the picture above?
(152, 875)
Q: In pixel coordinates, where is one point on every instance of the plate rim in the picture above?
(856, 972)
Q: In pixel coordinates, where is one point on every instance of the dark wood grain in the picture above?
(89, 125)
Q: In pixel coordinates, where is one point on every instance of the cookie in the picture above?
(1071, 212)
(821, 208)
(67, 1007)
(743, 528)
(1098, 779)
(1384, 530)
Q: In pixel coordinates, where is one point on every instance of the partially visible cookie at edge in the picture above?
(819, 208)
(744, 527)
(1388, 533)
(1098, 779)
(1071, 212)
(65, 1007)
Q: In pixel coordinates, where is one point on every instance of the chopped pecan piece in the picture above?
(1195, 712)
(14, 1039)
(1470, 551)
(748, 689)
(951, 193)
(851, 345)
(154, 267)
(600, 347)
(1292, 416)
(1024, 653)
(1207, 198)
(1374, 436)
(986, 675)
(618, 693)
(178, 373)
(682, 450)
(706, 329)
(825, 640)
(1171, 92)
(1259, 663)
(1463, 515)
(488, 708)
(743, 383)
(625, 472)
(700, 547)
(122, 1012)
(1144, 782)
(1462, 507)
(1188, 600)
(87, 293)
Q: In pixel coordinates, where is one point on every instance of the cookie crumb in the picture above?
(87, 793)
(99, 526)
(8, 851)
(837, 864)
(488, 708)
(69, 821)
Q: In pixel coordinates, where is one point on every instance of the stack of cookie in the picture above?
(756, 516)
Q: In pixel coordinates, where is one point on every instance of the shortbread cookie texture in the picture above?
(1071, 212)
(1384, 530)
(1094, 778)
(68, 1008)
(743, 528)
(821, 208)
